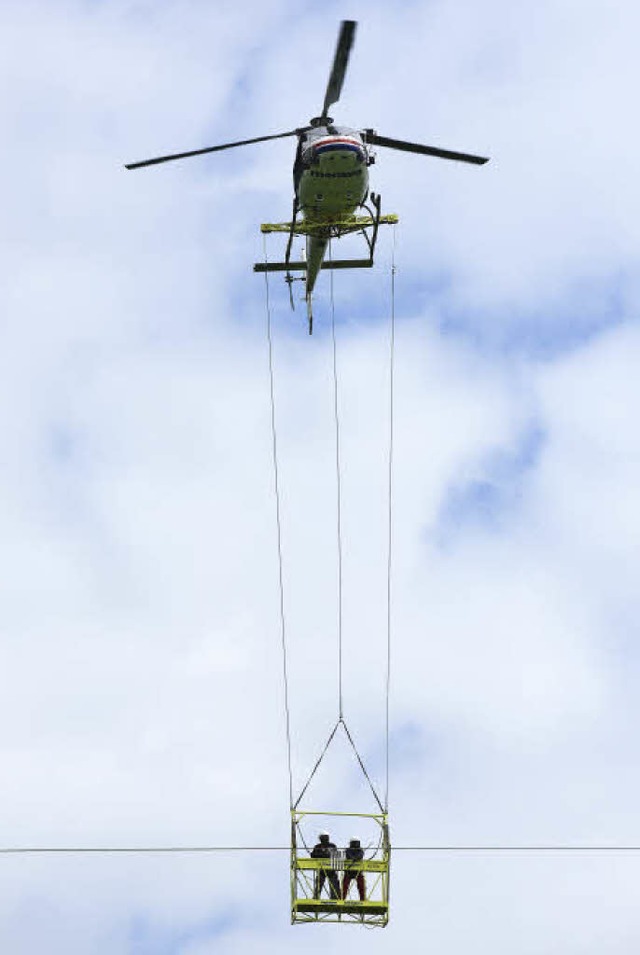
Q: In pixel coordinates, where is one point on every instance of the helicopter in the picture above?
(331, 181)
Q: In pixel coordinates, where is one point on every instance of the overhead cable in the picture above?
(105, 850)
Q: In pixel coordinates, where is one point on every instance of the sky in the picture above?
(141, 692)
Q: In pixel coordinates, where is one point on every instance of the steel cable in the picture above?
(392, 341)
(338, 486)
(274, 445)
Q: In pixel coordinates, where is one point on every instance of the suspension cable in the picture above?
(363, 768)
(274, 445)
(340, 723)
(392, 342)
(338, 486)
(318, 761)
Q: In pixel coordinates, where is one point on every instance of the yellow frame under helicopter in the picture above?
(325, 227)
(319, 228)
(307, 907)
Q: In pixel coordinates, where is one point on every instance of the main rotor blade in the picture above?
(209, 149)
(339, 68)
(376, 140)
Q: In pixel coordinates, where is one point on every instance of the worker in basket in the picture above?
(324, 849)
(353, 854)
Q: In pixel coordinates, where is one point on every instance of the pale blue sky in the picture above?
(140, 676)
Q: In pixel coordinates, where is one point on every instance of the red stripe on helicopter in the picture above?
(335, 140)
(339, 145)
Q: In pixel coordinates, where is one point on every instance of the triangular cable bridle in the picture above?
(340, 722)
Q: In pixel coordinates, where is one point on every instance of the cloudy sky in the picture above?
(140, 666)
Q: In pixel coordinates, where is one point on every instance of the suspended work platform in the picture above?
(337, 888)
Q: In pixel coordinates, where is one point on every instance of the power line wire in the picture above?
(105, 850)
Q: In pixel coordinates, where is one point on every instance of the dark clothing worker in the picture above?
(323, 850)
(353, 854)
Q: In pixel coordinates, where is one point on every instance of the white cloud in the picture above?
(140, 669)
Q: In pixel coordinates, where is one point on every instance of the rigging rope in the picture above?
(318, 761)
(340, 721)
(338, 486)
(392, 342)
(362, 767)
(274, 445)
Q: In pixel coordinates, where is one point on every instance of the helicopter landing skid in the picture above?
(290, 279)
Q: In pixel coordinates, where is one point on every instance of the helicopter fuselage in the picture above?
(331, 176)
(330, 179)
